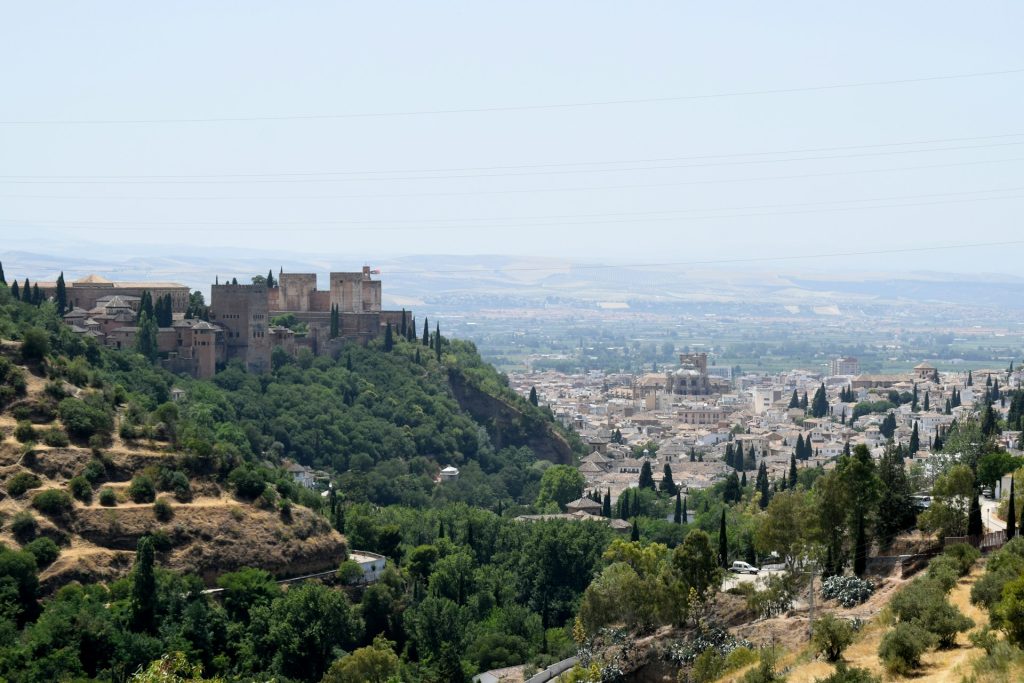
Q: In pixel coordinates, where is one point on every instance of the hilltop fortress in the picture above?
(240, 321)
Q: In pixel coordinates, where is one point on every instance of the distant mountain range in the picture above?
(511, 281)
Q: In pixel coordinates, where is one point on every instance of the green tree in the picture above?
(788, 527)
(915, 441)
(533, 396)
(35, 344)
(15, 291)
(62, 295)
(301, 630)
(832, 636)
(895, 505)
(819, 406)
(560, 484)
(146, 336)
(1011, 513)
(677, 516)
(3, 280)
(695, 562)
(646, 476)
(245, 590)
(668, 482)
(389, 340)
(951, 496)
(375, 664)
(143, 595)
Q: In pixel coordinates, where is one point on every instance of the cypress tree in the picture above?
(62, 295)
(26, 292)
(634, 534)
(270, 279)
(646, 476)
(401, 329)
(915, 440)
(389, 341)
(927, 405)
(729, 456)
(3, 281)
(677, 517)
(606, 508)
(15, 292)
(426, 332)
(723, 543)
(970, 379)
(750, 459)
(803, 401)
(636, 504)
(819, 407)
(686, 518)
(623, 505)
(37, 296)
(792, 472)
(143, 595)
(794, 401)
(1011, 509)
(800, 447)
(668, 482)
(533, 396)
(437, 340)
(743, 481)
(334, 321)
(974, 524)
(693, 455)
(762, 481)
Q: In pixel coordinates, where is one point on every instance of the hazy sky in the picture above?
(680, 178)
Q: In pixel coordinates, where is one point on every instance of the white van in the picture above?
(743, 568)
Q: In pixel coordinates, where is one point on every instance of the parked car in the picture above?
(743, 568)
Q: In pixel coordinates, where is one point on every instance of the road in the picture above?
(760, 579)
(988, 515)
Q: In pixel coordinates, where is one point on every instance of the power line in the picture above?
(231, 180)
(514, 108)
(360, 226)
(561, 164)
(667, 214)
(583, 188)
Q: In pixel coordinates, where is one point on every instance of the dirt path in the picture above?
(940, 666)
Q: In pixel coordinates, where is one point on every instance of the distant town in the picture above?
(705, 424)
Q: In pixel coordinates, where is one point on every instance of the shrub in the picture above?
(247, 482)
(55, 437)
(94, 471)
(85, 419)
(161, 541)
(142, 489)
(55, 390)
(902, 647)
(44, 550)
(708, 666)
(848, 590)
(180, 485)
(964, 555)
(1009, 611)
(53, 502)
(924, 603)
(844, 674)
(80, 488)
(764, 672)
(24, 527)
(776, 598)
(21, 482)
(35, 344)
(108, 498)
(945, 571)
(24, 432)
(163, 510)
(832, 636)
(349, 572)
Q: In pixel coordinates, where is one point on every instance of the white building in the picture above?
(372, 564)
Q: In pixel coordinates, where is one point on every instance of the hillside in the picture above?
(87, 420)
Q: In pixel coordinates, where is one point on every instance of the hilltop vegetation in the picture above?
(100, 458)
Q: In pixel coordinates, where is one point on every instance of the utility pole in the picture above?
(810, 611)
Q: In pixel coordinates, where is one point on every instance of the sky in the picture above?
(609, 131)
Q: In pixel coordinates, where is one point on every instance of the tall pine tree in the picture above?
(723, 543)
(1011, 513)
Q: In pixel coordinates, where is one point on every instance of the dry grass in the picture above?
(940, 666)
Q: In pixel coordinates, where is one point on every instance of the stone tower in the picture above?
(243, 312)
